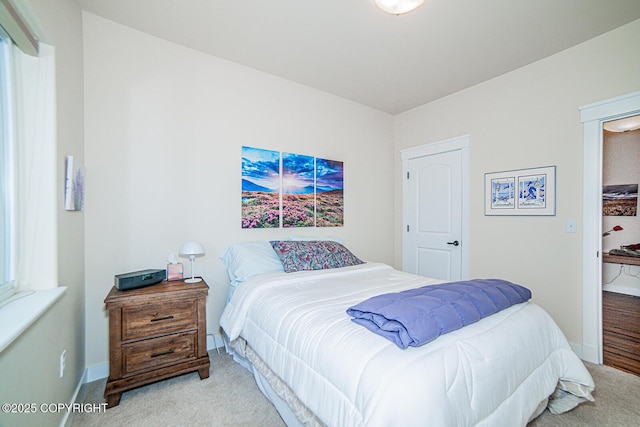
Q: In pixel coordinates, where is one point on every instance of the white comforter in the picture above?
(491, 373)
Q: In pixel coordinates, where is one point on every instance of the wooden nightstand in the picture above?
(155, 332)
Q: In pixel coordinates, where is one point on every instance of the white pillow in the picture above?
(312, 238)
(247, 259)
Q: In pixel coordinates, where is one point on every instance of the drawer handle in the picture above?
(164, 353)
(157, 319)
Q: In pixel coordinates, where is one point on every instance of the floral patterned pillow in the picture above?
(313, 255)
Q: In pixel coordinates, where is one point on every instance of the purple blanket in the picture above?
(417, 316)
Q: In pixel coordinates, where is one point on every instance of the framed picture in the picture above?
(329, 193)
(260, 188)
(521, 192)
(290, 190)
(74, 185)
(298, 190)
(620, 200)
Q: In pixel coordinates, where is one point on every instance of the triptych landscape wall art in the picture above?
(290, 190)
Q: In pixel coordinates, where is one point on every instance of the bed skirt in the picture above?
(293, 412)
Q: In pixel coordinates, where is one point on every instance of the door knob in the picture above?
(454, 243)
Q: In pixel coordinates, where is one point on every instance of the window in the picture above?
(8, 182)
(28, 233)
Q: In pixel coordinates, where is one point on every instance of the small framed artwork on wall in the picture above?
(74, 185)
(620, 200)
(521, 192)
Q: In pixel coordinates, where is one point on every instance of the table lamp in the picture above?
(191, 249)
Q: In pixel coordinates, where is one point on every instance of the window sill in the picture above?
(18, 315)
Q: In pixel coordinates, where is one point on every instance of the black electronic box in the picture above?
(138, 279)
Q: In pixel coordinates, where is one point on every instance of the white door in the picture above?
(433, 214)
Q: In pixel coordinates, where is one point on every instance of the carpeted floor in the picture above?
(617, 396)
(230, 397)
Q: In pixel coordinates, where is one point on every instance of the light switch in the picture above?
(571, 226)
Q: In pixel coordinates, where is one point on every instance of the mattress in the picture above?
(495, 372)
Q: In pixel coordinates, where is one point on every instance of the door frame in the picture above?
(460, 143)
(593, 116)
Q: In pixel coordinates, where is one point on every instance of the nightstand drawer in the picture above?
(158, 318)
(157, 352)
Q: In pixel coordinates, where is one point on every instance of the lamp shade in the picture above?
(191, 248)
(398, 7)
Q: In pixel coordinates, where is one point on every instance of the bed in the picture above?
(318, 367)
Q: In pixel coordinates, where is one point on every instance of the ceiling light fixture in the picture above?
(623, 125)
(398, 7)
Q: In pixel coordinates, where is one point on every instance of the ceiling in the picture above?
(351, 49)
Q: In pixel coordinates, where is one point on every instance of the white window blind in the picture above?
(8, 183)
(37, 185)
(28, 221)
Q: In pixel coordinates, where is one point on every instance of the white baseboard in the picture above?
(96, 372)
(585, 352)
(622, 290)
(214, 342)
(74, 397)
(590, 354)
(577, 349)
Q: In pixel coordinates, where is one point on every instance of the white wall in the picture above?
(164, 130)
(529, 118)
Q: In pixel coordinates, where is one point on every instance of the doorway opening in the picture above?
(621, 244)
(593, 117)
